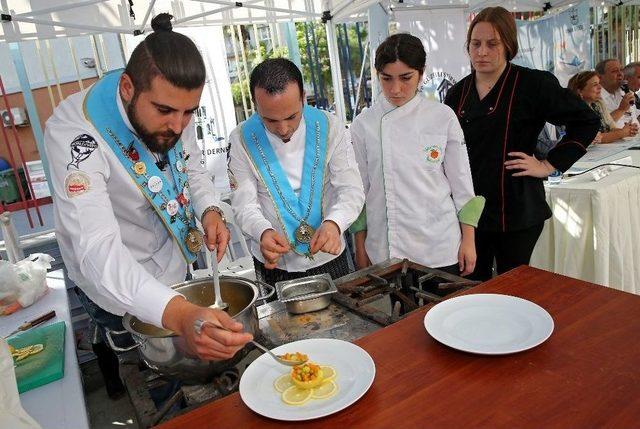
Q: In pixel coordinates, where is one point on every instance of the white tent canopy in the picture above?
(40, 19)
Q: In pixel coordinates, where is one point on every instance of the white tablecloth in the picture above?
(60, 404)
(594, 233)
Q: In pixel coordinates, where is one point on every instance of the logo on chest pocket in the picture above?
(434, 154)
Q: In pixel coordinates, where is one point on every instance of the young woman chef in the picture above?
(420, 202)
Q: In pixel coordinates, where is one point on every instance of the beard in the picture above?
(158, 142)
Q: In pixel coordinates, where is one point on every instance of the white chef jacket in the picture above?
(114, 245)
(342, 198)
(412, 160)
(612, 102)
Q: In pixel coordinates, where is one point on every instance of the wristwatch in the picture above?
(214, 209)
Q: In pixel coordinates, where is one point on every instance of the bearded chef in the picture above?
(128, 187)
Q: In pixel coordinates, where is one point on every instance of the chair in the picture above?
(232, 264)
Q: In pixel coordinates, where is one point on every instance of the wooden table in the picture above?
(585, 376)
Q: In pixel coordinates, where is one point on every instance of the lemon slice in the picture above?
(328, 373)
(296, 396)
(282, 383)
(325, 390)
(36, 348)
(25, 352)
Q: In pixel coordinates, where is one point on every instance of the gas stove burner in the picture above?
(219, 387)
(140, 380)
(408, 285)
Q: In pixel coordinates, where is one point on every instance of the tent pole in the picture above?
(104, 57)
(267, 8)
(46, 75)
(146, 15)
(346, 76)
(336, 70)
(59, 8)
(311, 65)
(238, 71)
(96, 56)
(323, 98)
(362, 84)
(363, 54)
(202, 14)
(54, 69)
(71, 25)
(75, 63)
(244, 61)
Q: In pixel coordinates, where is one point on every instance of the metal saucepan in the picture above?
(166, 353)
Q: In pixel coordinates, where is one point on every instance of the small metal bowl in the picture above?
(306, 294)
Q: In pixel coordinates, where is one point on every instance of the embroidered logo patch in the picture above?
(434, 153)
(76, 183)
(81, 147)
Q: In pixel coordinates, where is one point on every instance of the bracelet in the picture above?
(213, 209)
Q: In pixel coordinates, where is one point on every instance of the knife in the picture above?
(35, 322)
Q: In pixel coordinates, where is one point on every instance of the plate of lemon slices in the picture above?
(337, 374)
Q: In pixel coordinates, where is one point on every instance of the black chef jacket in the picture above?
(509, 119)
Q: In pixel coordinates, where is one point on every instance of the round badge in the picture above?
(186, 193)
(155, 184)
(180, 166)
(140, 168)
(172, 207)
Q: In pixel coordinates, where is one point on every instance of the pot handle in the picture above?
(268, 287)
(112, 344)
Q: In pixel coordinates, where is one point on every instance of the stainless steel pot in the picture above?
(166, 353)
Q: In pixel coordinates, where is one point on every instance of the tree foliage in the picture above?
(314, 53)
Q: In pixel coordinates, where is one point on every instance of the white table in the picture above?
(60, 404)
(594, 233)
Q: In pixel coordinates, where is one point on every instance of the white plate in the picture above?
(355, 373)
(489, 324)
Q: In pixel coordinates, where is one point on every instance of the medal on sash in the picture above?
(194, 240)
(304, 232)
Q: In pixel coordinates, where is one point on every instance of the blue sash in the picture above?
(101, 109)
(275, 179)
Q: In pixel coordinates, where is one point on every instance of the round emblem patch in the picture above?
(140, 168)
(76, 183)
(155, 184)
(172, 207)
(434, 153)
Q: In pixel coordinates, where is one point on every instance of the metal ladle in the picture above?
(199, 324)
(212, 261)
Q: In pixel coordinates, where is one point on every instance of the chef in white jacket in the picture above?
(414, 165)
(299, 188)
(128, 187)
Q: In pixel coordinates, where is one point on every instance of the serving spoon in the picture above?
(199, 324)
(213, 263)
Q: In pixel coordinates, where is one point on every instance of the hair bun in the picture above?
(162, 22)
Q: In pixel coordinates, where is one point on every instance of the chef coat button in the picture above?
(490, 108)
(462, 112)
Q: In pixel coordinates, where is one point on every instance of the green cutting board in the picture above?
(46, 366)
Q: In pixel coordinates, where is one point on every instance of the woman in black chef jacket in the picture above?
(502, 108)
